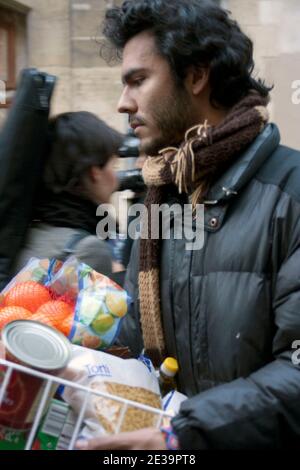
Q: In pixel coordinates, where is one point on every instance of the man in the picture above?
(230, 312)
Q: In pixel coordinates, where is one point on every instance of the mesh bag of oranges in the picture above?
(84, 305)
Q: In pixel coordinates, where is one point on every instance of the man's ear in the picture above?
(197, 79)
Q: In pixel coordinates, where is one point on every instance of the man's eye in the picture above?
(138, 81)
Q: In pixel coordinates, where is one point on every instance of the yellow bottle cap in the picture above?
(170, 366)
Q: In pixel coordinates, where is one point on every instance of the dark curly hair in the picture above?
(190, 32)
(77, 141)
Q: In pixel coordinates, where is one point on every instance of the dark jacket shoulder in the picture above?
(282, 169)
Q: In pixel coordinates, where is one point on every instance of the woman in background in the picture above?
(79, 176)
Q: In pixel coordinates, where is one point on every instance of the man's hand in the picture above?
(117, 267)
(144, 439)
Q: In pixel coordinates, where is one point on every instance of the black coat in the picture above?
(231, 311)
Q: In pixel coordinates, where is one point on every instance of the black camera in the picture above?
(130, 179)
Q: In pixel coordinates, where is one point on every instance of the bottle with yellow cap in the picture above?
(167, 372)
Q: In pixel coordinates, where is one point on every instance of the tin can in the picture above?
(36, 346)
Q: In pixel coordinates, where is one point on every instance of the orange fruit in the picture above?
(54, 312)
(42, 318)
(30, 295)
(8, 314)
(66, 325)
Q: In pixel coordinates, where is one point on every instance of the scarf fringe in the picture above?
(185, 155)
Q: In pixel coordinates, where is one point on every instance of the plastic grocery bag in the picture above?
(100, 303)
(86, 306)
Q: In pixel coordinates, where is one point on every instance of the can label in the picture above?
(21, 398)
(29, 344)
(20, 395)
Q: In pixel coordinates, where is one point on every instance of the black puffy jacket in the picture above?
(231, 311)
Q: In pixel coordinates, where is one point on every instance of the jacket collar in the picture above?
(241, 172)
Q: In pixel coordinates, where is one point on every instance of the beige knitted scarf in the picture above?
(203, 156)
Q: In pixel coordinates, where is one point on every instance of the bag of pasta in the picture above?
(117, 379)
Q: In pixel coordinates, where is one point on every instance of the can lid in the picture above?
(36, 345)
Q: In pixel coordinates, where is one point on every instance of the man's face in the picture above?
(159, 110)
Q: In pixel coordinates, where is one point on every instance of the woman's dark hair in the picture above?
(77, 141)
(191, 33)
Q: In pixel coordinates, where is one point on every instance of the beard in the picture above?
(173, 116)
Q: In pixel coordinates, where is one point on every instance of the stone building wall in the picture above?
(273, 25)
(59, 36)
(62, 39)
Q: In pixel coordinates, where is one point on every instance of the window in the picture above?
(7, 55)
(3, 53)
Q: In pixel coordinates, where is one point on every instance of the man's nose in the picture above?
(126, 103)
